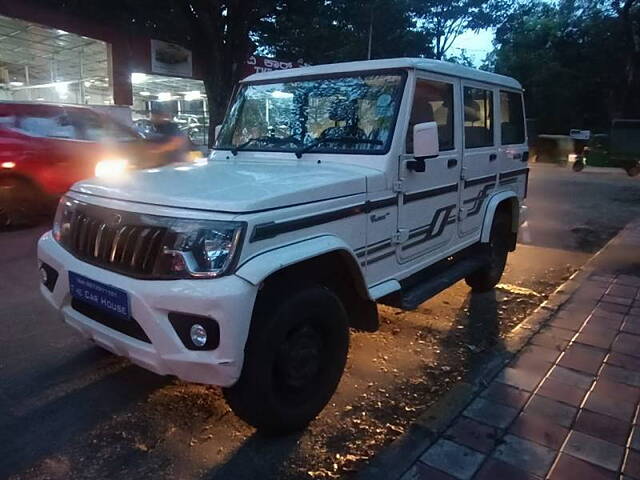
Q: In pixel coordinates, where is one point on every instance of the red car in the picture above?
(46, 148)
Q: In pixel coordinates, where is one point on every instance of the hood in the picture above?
(233, 186)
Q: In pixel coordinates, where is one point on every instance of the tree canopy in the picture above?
(574, 60)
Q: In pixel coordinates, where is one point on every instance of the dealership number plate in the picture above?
(105, 297)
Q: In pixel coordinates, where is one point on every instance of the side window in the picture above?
(478, 117)
(512, 118)
(55, 125)
(433, 102)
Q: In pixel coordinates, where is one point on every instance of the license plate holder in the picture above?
(105, 297)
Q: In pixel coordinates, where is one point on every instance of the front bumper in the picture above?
(229, 300)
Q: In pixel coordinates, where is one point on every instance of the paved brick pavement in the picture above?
(566, 407)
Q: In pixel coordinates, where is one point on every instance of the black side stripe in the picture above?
(381, 257)
(273, 229)
(513, 173)
(433, 192)
(478, 201)
(429, 232)
(479, 181)
(508, 181)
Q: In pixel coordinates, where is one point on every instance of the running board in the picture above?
(418, 293)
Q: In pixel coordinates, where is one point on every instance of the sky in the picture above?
(476, 44)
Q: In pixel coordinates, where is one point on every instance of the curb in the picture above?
(396, 459)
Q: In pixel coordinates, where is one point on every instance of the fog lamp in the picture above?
(44, 276)
(198, 335)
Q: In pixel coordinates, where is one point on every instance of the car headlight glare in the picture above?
(111, 167)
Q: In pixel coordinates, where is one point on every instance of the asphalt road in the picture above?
(70, 410)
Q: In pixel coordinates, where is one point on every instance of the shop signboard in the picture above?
(171, 59)
(258, 64)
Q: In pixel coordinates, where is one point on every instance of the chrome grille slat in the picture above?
(116, 242)
(138, 246)
(98, 243)
(147, 262)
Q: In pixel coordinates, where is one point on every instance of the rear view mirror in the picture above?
(216, 133)
(425, 140)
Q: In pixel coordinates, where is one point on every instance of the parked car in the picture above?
(395, 179)
(45, 148)
(619, 149)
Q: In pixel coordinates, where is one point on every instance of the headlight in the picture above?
(111, 167)
(200, 248)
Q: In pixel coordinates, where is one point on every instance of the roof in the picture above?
(429, 65)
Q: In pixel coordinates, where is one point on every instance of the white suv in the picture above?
(330, 188)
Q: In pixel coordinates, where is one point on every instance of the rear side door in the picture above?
(428, 208)
(480, 163)
(513, 151)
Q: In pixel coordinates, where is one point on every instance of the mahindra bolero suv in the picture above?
(331, 188)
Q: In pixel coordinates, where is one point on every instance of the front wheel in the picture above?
(488, 276)
(294, 358)
(633, 171)
(578, 166)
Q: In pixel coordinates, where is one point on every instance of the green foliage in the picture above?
(570, 58)
(447, 20)
(320, 31)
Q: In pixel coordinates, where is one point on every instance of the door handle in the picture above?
(492, 157)
(452, 162)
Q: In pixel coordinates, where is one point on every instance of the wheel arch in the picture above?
(326, 260)
(508, 203)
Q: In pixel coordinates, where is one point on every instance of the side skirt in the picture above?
(435, 278)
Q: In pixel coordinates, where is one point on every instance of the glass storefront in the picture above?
(39, 63)
(183, 98)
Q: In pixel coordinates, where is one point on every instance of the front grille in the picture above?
(123, 325)
(117, 241)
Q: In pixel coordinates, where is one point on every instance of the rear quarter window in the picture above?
(512, 118)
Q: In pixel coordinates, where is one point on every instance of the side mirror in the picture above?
(425, 140)
(216, 132)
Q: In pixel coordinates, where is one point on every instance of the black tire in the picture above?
(294, 359)
(633, 171)
(20, 203)
(489, 276)
(578, 166)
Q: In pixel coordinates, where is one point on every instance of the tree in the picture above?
(447, 20)
(629, 14)
(320, 31)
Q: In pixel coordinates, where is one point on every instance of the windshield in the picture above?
(347, 114)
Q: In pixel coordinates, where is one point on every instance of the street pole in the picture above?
(370, 33)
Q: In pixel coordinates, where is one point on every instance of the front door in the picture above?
(480, 163)
(429, 204)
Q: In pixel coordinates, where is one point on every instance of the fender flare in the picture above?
(494, 201)
(256, 269)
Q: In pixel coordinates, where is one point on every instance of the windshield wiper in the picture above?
(272, 140)
(350, 140)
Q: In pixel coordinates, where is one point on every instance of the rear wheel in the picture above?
(578, 166)
(488, 276)
(294, 358)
